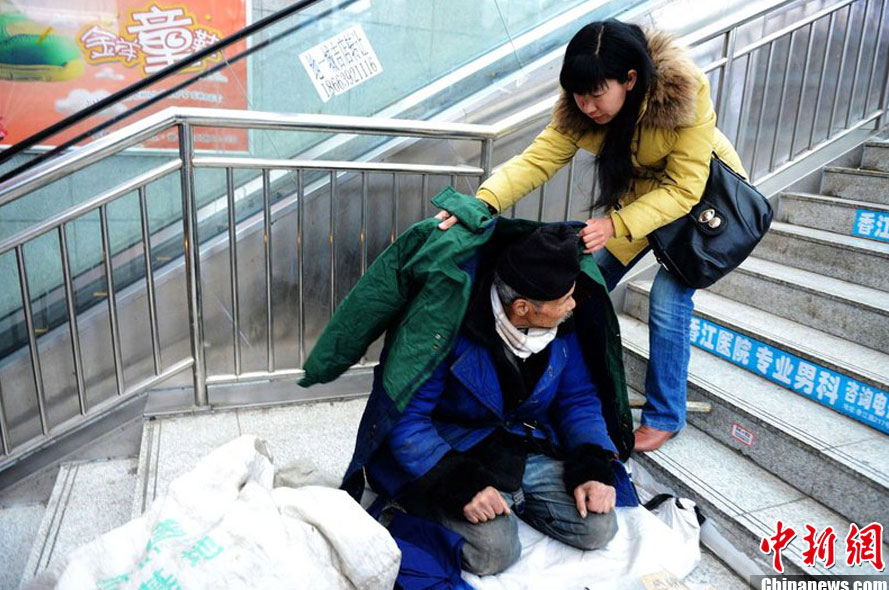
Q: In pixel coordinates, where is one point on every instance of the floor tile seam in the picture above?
(54, 532)
(45, 530)
(45, 527)
(141, 469)
(865, 247)
(144, 463)
(703, 488)
(874, 479)
(879, 477)
(809, 289)
(153, 466)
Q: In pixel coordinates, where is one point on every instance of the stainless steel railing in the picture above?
(757, 60)
(185, 120)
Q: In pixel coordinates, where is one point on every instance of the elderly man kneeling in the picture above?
(491, 402)
(509, 425)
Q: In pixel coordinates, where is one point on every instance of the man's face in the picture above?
(547, 314)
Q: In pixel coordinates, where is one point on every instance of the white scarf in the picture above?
(522, 343)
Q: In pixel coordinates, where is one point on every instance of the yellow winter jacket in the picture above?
(675, 136)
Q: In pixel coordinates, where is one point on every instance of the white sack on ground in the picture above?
(644, 545)
(222, 525)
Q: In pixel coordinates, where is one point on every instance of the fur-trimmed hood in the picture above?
(670, 102)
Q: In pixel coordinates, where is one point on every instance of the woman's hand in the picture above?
(597, 232)
(447, 220)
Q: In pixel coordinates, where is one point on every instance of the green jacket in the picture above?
(417, 292)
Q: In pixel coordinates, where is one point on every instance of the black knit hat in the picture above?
(542, 265)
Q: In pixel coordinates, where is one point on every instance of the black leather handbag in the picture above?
(718, 233)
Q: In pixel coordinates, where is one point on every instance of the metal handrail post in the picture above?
(4, 427)
(192, 263)
(72, 320)
(36, 371)
(884, 105)
(487, 156)
(233, 267)
(111, 298)
(722, 97)
(267, 258)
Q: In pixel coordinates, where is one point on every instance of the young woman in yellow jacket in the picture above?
(642, 106)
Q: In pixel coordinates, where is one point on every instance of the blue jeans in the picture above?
(543, 503)
(669, 317)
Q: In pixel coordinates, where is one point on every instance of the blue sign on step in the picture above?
(848, 396)
(871, 224)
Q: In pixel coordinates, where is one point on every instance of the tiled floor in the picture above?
(20, 524)
(323, 432)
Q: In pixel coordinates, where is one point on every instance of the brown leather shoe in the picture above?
(650, 439)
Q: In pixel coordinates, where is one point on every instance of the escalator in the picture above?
(263, 68)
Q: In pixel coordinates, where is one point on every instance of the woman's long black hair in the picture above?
(601, 51)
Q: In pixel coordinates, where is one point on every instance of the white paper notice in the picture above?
(341, 63)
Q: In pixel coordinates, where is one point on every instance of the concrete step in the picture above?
(834, 214)
(830, 457)
(865, 365)
(853, 312)
(18, 529)
(876, 156)
(852, 183)
(858, 260)
(745, 501)
(88, 500)
(712, 574)
(322, 431)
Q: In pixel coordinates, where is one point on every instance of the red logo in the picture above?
(781, 539)
(865, 545)
(862, 545)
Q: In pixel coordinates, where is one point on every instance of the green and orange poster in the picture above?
(59, 56)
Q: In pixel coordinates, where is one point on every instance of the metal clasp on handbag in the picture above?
(709, 217)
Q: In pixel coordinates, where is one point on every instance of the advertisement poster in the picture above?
(58, 57)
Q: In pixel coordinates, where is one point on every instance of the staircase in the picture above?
(818, 296)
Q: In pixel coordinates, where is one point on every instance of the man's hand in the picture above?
(594, 496)
(447, 220)
(485, 506)
(597, 232)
